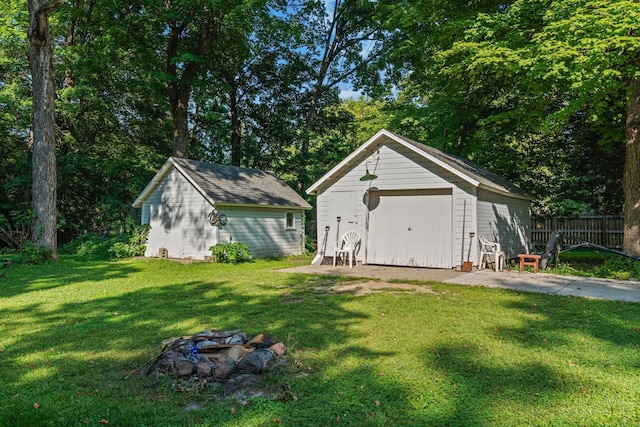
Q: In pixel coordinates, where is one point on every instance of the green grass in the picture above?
(592, 263)
(72, 331)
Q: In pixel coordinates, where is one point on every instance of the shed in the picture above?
(250, 206)
(414, 205)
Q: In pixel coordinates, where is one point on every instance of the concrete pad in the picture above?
(620, 290)
(528, 282)
(553, 284)
(379, 272)
(603, 289)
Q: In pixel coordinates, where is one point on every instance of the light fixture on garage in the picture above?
(370, 176)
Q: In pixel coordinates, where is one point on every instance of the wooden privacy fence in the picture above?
(601, 230)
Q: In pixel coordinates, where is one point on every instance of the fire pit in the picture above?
(217, 355)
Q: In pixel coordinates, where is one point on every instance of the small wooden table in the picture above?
(530, 260)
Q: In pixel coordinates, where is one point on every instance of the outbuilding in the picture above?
(414, 205)
(193, 205)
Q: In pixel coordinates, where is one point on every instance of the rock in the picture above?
(167, 361)
(186, 348)
(183, 367)
(235, 339)
(221, 335)
(256, 362)
(265, 342)
(204, 369)
(237, 352)
(173, 342)
(279, 349)
(203, 358)
(224, 368)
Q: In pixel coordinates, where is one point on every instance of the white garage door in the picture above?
(411, 228)
(166, 230)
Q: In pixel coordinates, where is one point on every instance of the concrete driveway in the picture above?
(620, 290)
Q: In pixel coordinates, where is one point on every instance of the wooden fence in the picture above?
(601, 230)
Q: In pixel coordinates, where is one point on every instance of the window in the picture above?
(290, 221)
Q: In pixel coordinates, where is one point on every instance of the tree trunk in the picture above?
(181, 84)
(179, 108)
(44, 231)
(236, 127)
(631, 177)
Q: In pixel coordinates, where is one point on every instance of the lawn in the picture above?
(71, 332)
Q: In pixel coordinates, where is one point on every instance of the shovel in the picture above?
(467, 265)
(317, 260)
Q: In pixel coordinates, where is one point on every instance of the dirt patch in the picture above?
(364, 288)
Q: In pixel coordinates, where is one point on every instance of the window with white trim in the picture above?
(289, 221)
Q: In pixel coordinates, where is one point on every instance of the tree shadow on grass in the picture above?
(546, 370)
(473, 390)
(21, 280)
(72, 355)
(553, 320)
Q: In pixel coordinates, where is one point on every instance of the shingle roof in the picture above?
(484, 176)
(464, 168)
(224, 184)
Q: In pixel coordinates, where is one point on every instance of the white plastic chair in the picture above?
(349, 244)
(488, 249)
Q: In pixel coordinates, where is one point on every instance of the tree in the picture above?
(350, 40)
(564, 70)
(43, 128)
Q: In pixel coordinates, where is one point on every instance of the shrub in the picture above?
(232, 252)
(122, 245)
(619, 268)
(29, 253)
(90, 244)
(135, 244)
(15, 229)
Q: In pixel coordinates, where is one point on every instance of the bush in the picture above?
(232, 252)
(619, 268)
(135, 244)
(90, 244)
(29, 253)
(122, 245)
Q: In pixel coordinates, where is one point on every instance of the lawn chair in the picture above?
(490, 249)
(348, 244)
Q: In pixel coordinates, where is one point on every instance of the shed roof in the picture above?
(229, 185)
(463, 168)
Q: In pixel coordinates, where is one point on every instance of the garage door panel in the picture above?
(411, 228)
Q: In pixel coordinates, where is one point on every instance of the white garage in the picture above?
(400, 241)
(414, 205)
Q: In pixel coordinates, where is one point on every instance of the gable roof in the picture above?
(465, 169)
(229, 185)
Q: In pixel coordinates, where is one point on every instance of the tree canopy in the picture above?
(545, 93)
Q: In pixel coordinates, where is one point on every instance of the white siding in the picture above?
(263, 230)
(506, 220)
(344, 204)
(177, 213)
(397, 168)
(183, 218)
(464, 223)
